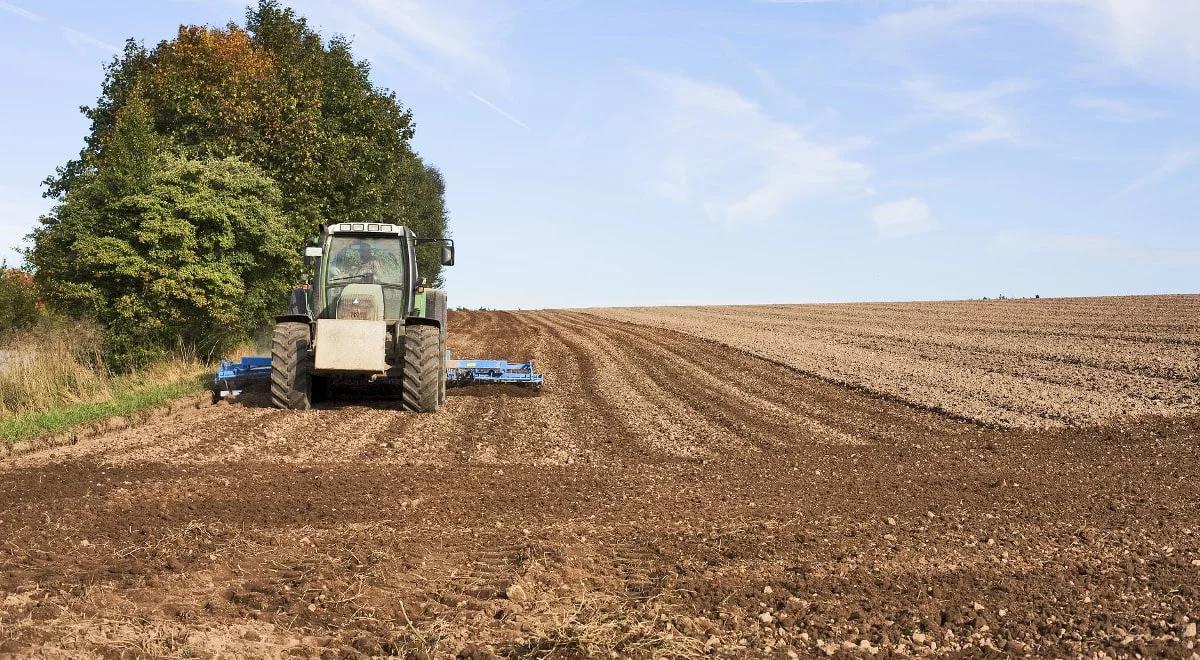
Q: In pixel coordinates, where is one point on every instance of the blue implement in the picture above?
(233, 375)
(467, 372)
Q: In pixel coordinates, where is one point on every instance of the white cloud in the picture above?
(983, 110)
(1154, 39)
(1157, 39)
(450, 44)
(901, 218)
(1174, 161)
(450, 34)
(716, 149)
(1124, 112)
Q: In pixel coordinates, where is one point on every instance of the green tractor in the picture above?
(365, 315)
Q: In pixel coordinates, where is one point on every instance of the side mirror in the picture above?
(447, 254)
(312, 255)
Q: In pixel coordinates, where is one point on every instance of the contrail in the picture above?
(23, 13)
(498, 109)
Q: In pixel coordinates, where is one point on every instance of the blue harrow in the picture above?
(232, 377)
(469, 372)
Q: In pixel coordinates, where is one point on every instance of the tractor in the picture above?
(365, 315)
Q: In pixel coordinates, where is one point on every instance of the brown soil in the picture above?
(1028, 363)
(664, 495)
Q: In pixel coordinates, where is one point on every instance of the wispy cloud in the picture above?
(1174, 161)
(23, 13)
(1095, 246)
(905, 217)
(984, 111)
(448, 44)
(1117, 110)
(1156, 39)
(1153, 39)
(75, 38)
(503, 113)
(454, 39)
(718, 150)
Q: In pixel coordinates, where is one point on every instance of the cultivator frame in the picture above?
(460, 373)
(232, 377)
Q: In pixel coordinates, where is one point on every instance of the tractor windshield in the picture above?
(358, 260)
(364, 260)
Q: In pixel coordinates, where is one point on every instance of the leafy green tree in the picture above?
(168, 252)
(209, 160)
(276, 94)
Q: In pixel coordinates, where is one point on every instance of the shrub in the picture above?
(193, 261)
(19, 304)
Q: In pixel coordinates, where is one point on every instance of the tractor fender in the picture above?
(421, 320)
(294, 318)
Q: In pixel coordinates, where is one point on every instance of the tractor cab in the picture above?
(362, 271)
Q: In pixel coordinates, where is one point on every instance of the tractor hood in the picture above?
(361, 302)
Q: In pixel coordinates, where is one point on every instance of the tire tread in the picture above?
(422, 368)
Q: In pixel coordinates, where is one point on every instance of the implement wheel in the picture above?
(423, 364)
(291, 362)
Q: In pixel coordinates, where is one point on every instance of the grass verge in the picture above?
(52, 377)
(126, 399)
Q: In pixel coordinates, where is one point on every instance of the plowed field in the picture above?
(665, 495)
(1009, 363)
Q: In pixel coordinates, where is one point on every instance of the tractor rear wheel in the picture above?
(291, 364)
(442, 370)
(423, 364)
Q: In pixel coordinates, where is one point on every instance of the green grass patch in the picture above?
(127, 398)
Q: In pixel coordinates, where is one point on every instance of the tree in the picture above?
(279, 96)
(209, 160)
(168, 252)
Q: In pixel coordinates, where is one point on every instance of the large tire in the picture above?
(423, 364)
(436, 306)
(291, 365)
(442, 371)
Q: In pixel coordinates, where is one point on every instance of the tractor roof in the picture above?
(366, 227)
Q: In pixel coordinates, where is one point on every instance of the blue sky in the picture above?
(613, 153)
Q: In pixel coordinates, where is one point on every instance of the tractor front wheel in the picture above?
(291, 364)
(423, 360)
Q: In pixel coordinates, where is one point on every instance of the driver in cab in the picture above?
(357, 261)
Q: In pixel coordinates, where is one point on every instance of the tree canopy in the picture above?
(210, 158)
(167, 251)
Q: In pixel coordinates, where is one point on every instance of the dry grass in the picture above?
(53, 377)
(52, 366)
(61, 365)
